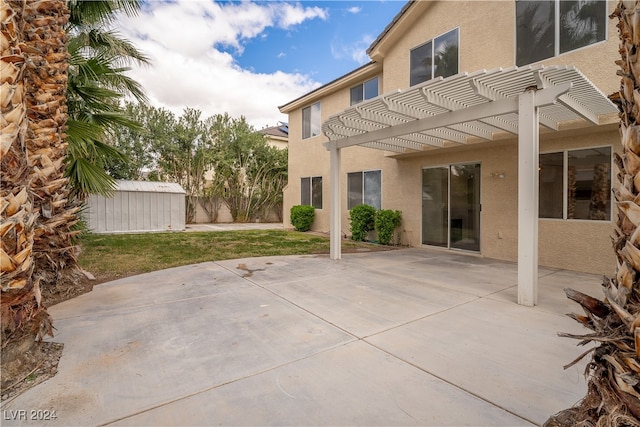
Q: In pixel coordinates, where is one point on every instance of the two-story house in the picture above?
(486, 123)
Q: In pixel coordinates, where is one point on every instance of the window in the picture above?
(436, 58)
(311, 121)
(311, 191)
(364, 188)
(576, 184)
(548, 28)
(364, 91)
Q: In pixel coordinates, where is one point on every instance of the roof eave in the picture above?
(372, 48)
(353, 76)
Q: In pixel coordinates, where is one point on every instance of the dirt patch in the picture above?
(30, 368)
(249, 272)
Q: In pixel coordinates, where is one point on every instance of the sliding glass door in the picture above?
(451, 206)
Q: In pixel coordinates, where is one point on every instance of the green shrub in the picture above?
(387, 221)
(362, 221)
(302, 217)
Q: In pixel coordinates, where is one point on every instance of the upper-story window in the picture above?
(311, 121)
(364, 91)
(435, 58)
(549, 28)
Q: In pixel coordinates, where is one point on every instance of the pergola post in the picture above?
(335, 233)
(528, 154)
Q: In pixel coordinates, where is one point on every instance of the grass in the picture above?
(128, 254)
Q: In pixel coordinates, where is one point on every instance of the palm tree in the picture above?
(37, 213)
(38, 207)
(99, 58)
(613, 394)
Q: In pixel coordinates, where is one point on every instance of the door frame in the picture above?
(448, 167)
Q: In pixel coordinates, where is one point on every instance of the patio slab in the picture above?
(354, 384)
(386, 338)
(366, 304)
(508, 354)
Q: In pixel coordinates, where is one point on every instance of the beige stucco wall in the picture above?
(574, 245)
(487, 41)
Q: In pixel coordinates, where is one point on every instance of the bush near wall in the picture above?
(362, 221)
(386, 222)
(302, 217)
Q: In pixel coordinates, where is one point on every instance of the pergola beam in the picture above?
(543, 97)
(527, 106)
(516, 100)
(432, 122)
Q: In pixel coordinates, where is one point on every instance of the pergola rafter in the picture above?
(481, 104)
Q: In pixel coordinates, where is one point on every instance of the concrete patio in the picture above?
(407, 337)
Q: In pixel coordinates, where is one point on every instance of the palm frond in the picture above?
(99, 58)
(109, 120)
(85, 140)
(88, 178)
(112, 43)
(102, 71)
(100, 12)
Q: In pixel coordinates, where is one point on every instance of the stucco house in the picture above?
(486, 123)
(277, 136)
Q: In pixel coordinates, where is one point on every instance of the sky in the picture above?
(246, 58)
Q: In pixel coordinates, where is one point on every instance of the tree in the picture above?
(252, 173)
(613, 394)
(37, 212)
(166, 148)
(185, 156)
(216, 160)
(140, 144)
(99, 58)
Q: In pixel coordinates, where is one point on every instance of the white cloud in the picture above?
(289, 14)
(185, 40)
(355, 10)
(356, 51)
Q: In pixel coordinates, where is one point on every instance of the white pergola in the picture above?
(484, 105)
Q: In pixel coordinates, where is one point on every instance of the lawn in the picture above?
(122, 255)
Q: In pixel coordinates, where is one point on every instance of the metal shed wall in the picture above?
(138, 206)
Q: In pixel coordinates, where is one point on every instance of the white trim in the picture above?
(433, 53)
(556, 41)
(513, 95)
(311, 190)
(565, 181)
(335, 226)
(362, 172)
(528, 161)
(565, 185)
(448, 166)
(310, 107)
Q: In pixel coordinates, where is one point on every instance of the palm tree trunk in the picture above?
(36, 213)
(613, 394)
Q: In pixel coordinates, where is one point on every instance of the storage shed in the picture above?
(138, 206)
